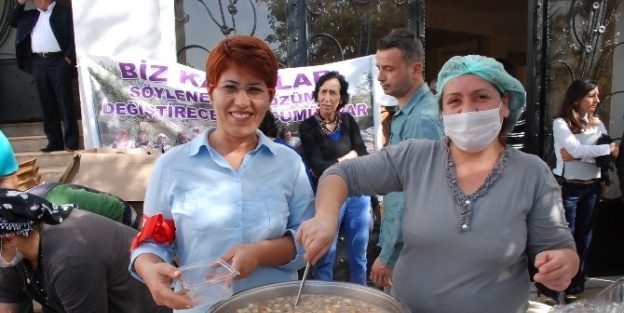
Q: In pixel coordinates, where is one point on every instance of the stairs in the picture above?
(27, 138)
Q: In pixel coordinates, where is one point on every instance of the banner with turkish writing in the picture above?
(144, 103)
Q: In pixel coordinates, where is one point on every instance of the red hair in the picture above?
(246, 52)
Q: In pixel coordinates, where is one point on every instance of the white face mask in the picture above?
(473, 131)
(16, 259)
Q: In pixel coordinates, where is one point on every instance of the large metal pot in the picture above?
(268, 292)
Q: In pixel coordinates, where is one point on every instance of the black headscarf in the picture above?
(19, 211)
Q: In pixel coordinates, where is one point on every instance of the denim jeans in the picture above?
(357, 218)
(579, 202)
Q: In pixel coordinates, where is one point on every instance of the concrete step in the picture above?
(51, 174)
(28, 129)
(32, 143)
(52, 159)
(22, 129)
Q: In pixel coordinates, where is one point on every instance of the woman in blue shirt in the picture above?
(211, 198)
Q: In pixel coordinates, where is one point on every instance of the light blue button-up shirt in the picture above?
(215, 208)
(418, 119)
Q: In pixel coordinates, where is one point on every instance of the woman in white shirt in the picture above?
(576, 131)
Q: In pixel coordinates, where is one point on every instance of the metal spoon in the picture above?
(305, 276)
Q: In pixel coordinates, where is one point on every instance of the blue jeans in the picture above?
(357, 218)
(579, 202)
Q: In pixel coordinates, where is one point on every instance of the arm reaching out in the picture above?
(317, 234)
(555, 268)
(157, 276)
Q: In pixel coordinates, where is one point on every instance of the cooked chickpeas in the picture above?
(313, 303)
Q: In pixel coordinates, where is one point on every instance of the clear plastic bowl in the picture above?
(207, 282)
(613, 293)
(609, 300)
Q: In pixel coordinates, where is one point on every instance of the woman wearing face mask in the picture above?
(66, 259)
(576, 131)
(476, 209)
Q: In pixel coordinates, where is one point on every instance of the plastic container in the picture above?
(609, 300)
(208, 282)
(613, 293)
(588, 306)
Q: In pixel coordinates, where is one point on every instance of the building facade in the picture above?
(547, 43)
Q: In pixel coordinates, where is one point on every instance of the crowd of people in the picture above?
(466, 215)
(142, 140)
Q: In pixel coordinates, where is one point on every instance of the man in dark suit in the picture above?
(44, 47)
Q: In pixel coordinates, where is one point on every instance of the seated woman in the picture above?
(8, 179)
(8, 164)
(232, 192)
(89, 199)
(68, 260)
(476, 209)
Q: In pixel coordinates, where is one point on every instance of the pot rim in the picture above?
(313, 283)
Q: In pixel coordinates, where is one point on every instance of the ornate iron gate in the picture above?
(301, 32)
(566, 39)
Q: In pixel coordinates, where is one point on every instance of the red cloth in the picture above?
(156, 228)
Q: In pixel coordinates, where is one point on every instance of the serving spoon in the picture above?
(303, 280)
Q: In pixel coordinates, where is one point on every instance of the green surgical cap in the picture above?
(492, 71)
(8, 163)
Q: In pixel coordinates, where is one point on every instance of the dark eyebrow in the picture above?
(474, 92)
(237, 83)
(329, 89)
(482, 90)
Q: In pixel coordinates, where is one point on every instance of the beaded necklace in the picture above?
(323, 122)
(35, 279)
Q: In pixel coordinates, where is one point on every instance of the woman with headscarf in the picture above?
(576, 130)
(142, 141)
(161, 142)
(476, 208)
(329, 137)
(54, 253)
(123, 141)
(231, 193)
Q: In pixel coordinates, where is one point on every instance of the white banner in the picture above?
(169, 98)
(121, 29)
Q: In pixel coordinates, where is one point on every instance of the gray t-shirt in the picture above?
(481, 267)
(85, 266)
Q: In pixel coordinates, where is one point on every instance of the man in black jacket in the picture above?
(44, 47)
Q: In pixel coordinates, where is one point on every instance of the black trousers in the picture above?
(53, 77)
